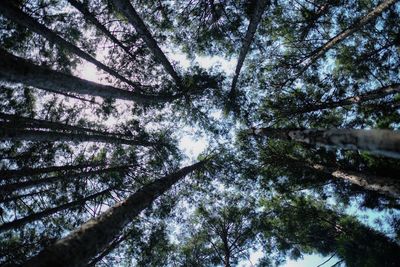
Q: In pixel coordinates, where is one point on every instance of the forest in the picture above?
(199, 133)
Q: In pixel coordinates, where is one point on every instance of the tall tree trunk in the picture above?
(18, 70)
(11, 187)
(9, 9)
(380, 142)
(92, 18)
(6, 174)
(47, 136)
(125, 7)
(383, 185)
(346, 33)
(227, 251)
(25, 122)
(47, 212)
(77, 248)
(4, 199)
(251, 30)
(114, 244)
(372, 95)
(319, 52)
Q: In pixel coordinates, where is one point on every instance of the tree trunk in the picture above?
(125, 7)
(383, 185)
(251, 30)
(12, 12)
(25, 122)
(380, 142)
(77, 248)
(9, 188)
(4, 199)
(372, 95)
(346, 33)
(6, 174)
(47, 212)
(91, 18)
(47, 136)
(18, 70)
(227, 251)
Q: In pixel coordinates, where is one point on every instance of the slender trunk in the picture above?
(25, 122)
(380, 142)
(74, 96)
(16, 69)
(9, 188)
(346, 33)
(77, 248)
(12, 12)
(47, 212)
(14, 198)
(372, 95)
(6, 174)
(227, 252)
(251, 30)
(383, 185)
(47, 136)
(125, 7)
(91, 18)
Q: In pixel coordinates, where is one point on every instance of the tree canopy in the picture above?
(296, 103)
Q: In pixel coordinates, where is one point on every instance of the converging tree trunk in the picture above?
(49, 136)
(92, 18)
(346, 33)
(125, 7)
(18, 70)
(11, 187)
(383, 185)
(251, 30)
(6, 174)
(380, 142)
(359, 99)
(10, 10)
(4, 199)
(25, 122)
(77, 248)
(47, 212)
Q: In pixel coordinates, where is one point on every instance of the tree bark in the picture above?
(125, 7)
(47, 212)
(12, 12)
(25, 122)
(6, 174)
(227, 251)
(91, 18)
(380, 142)
(9, 188)
(91, 238)
(346, 33)
(18, 70)
(251, 30)
(4, 199)
(383, 185)
(372, 95)
(49, 136)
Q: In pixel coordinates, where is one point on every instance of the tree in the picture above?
(15, 69)
(93, 236)
(383, 142)
(96, 105)
(305, 225)
(12, 12)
